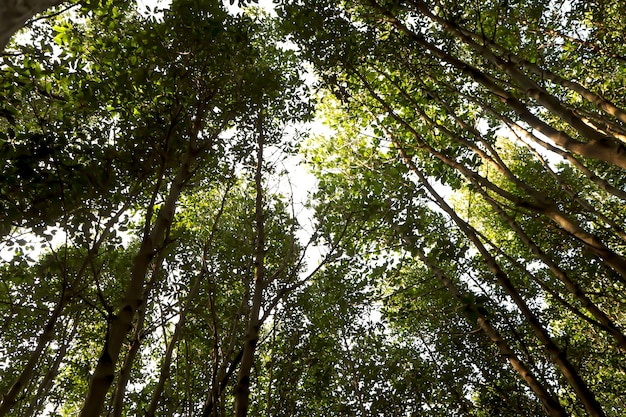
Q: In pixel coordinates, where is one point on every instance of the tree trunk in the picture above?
(571, 286)
(25, 376)
(551, 405)
(537, 202)
(488, 46)
(242, 390)
(558, 357)
(122, 382)
(121, 323)
(15, 13)
(46, 384)
(220, 385)
(598, 146)
(165, 366)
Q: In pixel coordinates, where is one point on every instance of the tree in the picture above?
(468, 211)
(15, 14)
(165, 136)
(432, 87)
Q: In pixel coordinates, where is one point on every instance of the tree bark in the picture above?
(488, 46)
(220, 385)
(530, 137)
(550, 404)
(165, 366)
(242, 390)
(121, 322)
(585, 395)
(122, 381)
(46, 384)
(598, 146)
(15, 13)
(537, 202)
(562, 276)
(9, 400)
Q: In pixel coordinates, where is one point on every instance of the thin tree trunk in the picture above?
(120, 387)
(502, 168)
(598, 147)
(588, 207)
(493, 158)
(220, 385)
(122, 381)
(587, 397)
(551, 405)
(242, 390)
(486, 48)
(268, 396)
(538, 202)
(67, 293)
(513, 126)
(25, 376)
(45, 386)
(222, 373)
(165, 366)
(560, 274)
(15, 13)
(530, 137)
(121, 323)
(217, 364)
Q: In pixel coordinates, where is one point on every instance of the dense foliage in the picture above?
(467, 249)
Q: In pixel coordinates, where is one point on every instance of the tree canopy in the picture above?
(463, 251)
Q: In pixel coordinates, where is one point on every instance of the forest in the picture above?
(313, 208)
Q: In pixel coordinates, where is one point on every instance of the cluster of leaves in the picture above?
(441, 108)
(470, 195)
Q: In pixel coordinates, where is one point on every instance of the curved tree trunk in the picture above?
(598, 146)
(165, 366)
(550, 404)
(537, 201)
(122, 381)
(242, 390)
(15, 13)
(558, 357)
(121, 323)
(193, 292)
(36, 404)
(485, 49)
(9, 400)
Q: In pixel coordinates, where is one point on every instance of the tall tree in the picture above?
(447, 93)
(468, 211)
(133, 112)
(15, 13)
